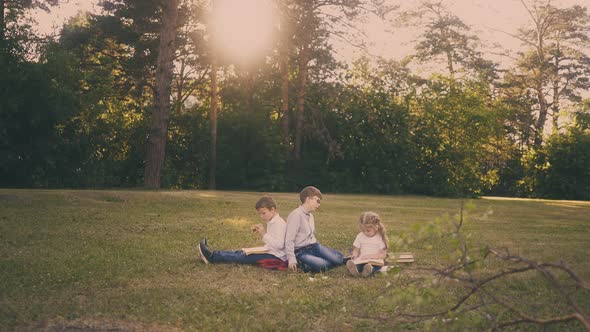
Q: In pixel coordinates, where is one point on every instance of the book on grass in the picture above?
(404, 257)
(255, 250)
(372, 261)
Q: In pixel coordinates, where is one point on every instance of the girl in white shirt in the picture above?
(370, 244)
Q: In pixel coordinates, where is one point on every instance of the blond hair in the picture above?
(372, 219)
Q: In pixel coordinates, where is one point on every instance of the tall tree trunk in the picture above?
(285, 98)
(450, 65)
(284, 51)
(555, 106)
(450, 59)
(156, 149)
(301, 86)
(213, 125)
(540, 125)
(2, 25)
(250, 90)
(180, 86)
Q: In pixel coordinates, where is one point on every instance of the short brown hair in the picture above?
(309, 191)
(266, 202)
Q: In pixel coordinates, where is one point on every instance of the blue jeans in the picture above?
(317, 258)
(237, 256)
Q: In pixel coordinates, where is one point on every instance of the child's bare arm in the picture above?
(355, 252)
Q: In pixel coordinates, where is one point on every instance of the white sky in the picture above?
(53, 21)
(484, 16)
(487, 18)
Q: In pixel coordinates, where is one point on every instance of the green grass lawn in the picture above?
(128, 259)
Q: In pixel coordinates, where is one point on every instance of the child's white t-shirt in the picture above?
(369, 245)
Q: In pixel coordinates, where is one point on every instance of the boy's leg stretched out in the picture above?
(319, 258)
(229, 256)
(237, 256)
(335, 257)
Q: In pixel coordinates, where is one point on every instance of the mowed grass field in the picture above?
(127, 260)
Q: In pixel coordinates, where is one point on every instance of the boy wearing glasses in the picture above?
(300, 242)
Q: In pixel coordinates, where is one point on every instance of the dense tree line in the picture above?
(125, 99)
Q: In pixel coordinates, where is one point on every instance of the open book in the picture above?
(400, 257)
(255, 250)
(372, 261)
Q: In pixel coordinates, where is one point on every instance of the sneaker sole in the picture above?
(202, 256)
(352, 269)
(367, 271)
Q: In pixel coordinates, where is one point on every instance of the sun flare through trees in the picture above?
(242, 29)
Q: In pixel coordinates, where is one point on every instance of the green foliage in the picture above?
(249, 155)
(187, 150)
(372, 129)
(108, 129)
(71, 119)
(36, 100)
(77, 113)
(453, 127)
(563, 166)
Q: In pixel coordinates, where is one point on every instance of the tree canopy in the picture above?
(138, 95)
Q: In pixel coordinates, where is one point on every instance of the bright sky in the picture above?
(243, 29)
(485, 17)
(52, 22)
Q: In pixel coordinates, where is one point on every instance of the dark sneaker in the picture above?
(352, 268)
(367, 270)
(205, 251)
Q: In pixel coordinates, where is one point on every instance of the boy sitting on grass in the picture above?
(300, 242)
(273, 237)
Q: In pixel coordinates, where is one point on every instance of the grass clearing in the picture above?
(128, 259)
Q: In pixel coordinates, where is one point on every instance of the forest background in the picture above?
(148, 94)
